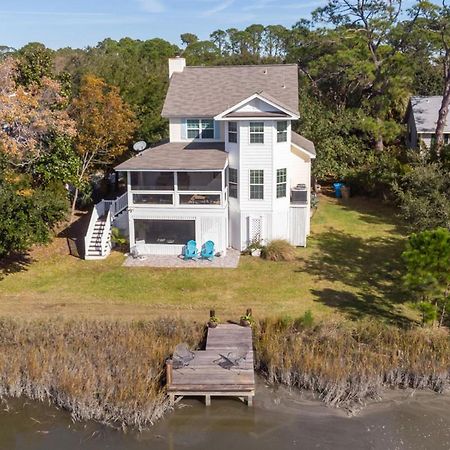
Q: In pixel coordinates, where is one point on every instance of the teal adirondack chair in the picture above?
(190, 250)
(208, 250)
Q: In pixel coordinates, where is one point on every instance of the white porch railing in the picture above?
(118, 205)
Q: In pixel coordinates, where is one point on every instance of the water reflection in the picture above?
(279, 420)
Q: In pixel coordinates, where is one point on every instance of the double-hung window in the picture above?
(256, 132)
(232, 131)
(281, 183)
(282, 131)
(200, 128)
(257, 184)
(233, 182)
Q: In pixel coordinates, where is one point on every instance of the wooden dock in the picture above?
(212, 373)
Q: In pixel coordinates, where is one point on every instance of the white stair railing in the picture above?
(120, 204)
(90, 231)
(106, 236)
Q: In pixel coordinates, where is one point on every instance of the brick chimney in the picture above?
(176, 64)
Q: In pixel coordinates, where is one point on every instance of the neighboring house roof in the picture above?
(179, 156)
(425, 112)
(208, 91)
(299, 141)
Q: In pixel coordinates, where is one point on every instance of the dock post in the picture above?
(169, 372)
(250, 401)
(208, 400)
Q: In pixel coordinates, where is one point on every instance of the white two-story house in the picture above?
(233, 171)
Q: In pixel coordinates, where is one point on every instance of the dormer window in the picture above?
(256, 132)
(200, 128)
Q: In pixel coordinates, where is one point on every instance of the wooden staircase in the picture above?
(96, 249)
(97, 242)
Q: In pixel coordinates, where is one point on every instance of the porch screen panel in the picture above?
(167, 232)
(152, 181)
(200, 181)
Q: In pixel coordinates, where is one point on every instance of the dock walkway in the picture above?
(224, 368)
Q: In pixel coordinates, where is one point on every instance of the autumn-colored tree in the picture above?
(105, 125)
(28, 115)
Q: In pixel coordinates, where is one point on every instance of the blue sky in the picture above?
(78, 23)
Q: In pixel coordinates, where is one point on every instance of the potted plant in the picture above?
(247, 319)
(213, 322)
(213, 319)
(254, 248)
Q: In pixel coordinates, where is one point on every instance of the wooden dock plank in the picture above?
(209, 373)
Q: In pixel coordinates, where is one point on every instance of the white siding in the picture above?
(299, 217)
(121, 222)
(256, 157)
(274, 213)
(301, 174)
(256, 105)
(175, 130)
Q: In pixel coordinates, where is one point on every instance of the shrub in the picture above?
(428, 312)
(427, 260)
(423, 195)
(117, 238)
(279, 250)
(305, 321)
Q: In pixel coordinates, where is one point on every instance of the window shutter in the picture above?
(183, 129)
(216, 129)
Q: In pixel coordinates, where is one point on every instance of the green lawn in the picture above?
(351, 267)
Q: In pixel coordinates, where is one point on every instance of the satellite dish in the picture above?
(139, 146)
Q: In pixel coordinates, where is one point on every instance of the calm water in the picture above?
(279, 420)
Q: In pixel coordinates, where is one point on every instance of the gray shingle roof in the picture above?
(425, 112)
(300, 141)
(208, 91)
(179, 156)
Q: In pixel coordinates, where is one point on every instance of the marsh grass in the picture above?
(350, 362)
(105, 371)
(113, 372)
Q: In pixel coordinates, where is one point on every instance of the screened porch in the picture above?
(178, 189)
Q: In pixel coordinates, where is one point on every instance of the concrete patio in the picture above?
(230, 261)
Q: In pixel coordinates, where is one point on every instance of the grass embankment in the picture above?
(351, 268)
(113, 372)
